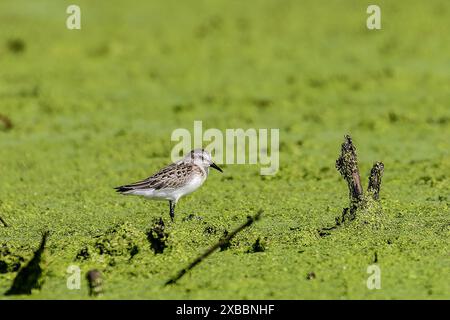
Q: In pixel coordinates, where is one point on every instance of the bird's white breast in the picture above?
(190, 187)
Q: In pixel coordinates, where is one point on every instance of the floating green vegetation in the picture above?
(83, 111)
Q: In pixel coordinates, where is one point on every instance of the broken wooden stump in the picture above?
(347, 165)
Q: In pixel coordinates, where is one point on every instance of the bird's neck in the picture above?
(204, 170)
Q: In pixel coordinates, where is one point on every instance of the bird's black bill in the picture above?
(213, 165)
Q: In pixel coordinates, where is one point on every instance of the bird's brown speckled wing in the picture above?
(173, 176)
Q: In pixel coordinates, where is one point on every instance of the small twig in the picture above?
(3, 222)
(29, 277)
(219, 244)
(375, 180)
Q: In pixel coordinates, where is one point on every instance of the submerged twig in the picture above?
(223, 241)
(3, 222)
(29, 277)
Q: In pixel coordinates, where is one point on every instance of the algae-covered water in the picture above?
(83, 111)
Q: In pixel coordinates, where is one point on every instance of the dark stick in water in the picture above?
(3, 222)
(219, 244)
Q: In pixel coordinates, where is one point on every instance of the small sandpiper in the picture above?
(174, 181)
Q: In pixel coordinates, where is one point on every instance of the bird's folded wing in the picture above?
(173, 176)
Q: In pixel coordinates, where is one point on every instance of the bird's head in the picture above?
(202, 158)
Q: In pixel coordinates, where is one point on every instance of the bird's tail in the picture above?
(124, 189)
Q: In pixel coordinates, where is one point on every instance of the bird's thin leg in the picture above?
(172, 210)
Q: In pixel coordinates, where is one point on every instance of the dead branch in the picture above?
(3, 222)
(30, 276)
(223, 241)
(347, 165)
